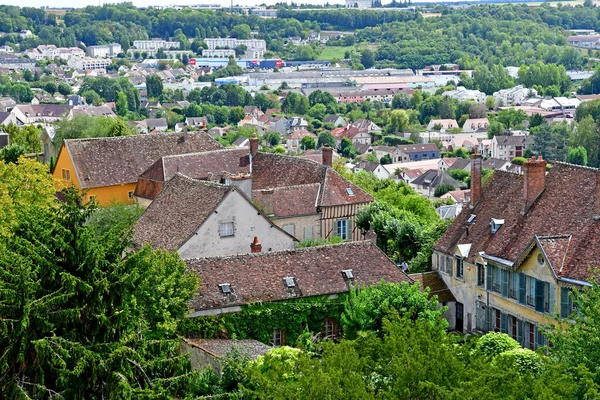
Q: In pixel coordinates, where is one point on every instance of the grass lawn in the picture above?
(330, 52)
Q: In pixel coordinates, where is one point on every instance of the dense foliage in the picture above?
(77, 319)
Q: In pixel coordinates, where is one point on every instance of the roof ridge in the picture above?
(201, 182)
(289, 187)
(359, 243)
(565, 236)
(223, 150)
(135, 135)
(566, 164)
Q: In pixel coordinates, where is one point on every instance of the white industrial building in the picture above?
(106, 50)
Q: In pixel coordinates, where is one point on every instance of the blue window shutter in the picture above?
(522, 288)
(539, 295)
(564, 302)
(504, 275)
(488, 280)
(551, 295)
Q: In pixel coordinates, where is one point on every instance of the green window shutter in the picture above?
(551, 300)
(564, 302)
(449, 265)
(522, 288)
(504, 276)
(539, 295)
(488, 283)
(349, 230)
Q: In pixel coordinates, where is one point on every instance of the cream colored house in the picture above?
(512, 256)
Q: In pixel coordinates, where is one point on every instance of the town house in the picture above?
(525, 241)
(108, 168)
(223, 223)
(309, 200)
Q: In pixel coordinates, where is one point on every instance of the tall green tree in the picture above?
(154, 86)
(122, 107)
(79, 320)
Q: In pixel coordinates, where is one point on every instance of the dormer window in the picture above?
(225, 288)
(289, 282)
(348, 275)
(496, 224)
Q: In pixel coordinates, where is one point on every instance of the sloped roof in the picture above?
(288, 201)
(316, 270)
(494, 163)
(222, 347)
(569, 206)
(460, 163)
(118, 160)
(433, 178)
(178, 211)
(437, 286)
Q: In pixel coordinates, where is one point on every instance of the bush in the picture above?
(443, 189)
(493, 343)
(519, 160)
(522, 360)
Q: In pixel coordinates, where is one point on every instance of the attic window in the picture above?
(348, 274)
(471, 219)
(349, 191)
(289, 282)
(496, 224)
(225, 288)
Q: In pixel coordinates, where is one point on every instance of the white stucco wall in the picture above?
(247, 223)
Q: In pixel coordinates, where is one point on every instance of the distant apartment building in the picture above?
(255, 48)
(88, 63)
(513, 96)
(463, 94)
(360, 4)
(14, 63)
(154, 44)
(218, 53)
(51, 52)
(106, 50)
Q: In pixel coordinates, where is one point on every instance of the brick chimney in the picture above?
(534, 181)
(476, 167)
(327, 152)
(253, 145)
(255, 246)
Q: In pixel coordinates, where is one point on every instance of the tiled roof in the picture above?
(437, 286)
(433, 178)
(178, 211)
(511, 140)
(118, 160)
(300, 134)
(460, 163)
(288, 201)
(569, 205)
(222, 347)
(269, 171)
(316, 271)
(494, 163)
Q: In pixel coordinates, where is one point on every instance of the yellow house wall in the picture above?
(511, 306)
(104, 195)
(64, 162)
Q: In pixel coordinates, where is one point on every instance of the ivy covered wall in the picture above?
(259, 320)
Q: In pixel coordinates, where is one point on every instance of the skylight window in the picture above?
(348, 275)
(289, 282)
(349, 191)
(496, 224)
(225, 288)
(471, 219)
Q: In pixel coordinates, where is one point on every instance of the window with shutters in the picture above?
(496, 280)
(66, 174)
(329, 328)
(566, 303)
(497, 320)
(514, 285)
(530, 291)
(289, 228)
(512, 331)
(449, 265)
(308, 232)
(459, 267)
(342, 229)
(443, 264)
(540, 287)
(480, 275)
(503, 323)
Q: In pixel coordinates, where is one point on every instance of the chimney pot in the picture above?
(327, 153)
(476, 170)
(253, 145)
(534, 182)
(255, 246)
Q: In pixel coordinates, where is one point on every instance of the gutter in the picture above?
(575, 282)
